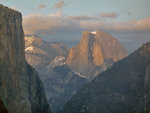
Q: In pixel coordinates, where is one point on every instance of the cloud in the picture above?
(54, 27)
(132, 25)
(36, 23)
(61, 28)
(42, 6)
(59, 4)
(109, 15)
(82, 17)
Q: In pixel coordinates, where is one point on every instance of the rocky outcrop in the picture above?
(39, 52)
(95, 52)
(124, 88)
(21, 90)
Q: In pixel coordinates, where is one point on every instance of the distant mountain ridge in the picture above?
(41, 52)
(49, 59)
(96, 52)
(124, 88)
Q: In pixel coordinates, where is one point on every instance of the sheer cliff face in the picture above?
(124, 88)
(11, 41)
(21, 90)
(95, 52)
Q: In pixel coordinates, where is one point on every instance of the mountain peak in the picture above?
(96, 49)
(93, 32)
(32, 39)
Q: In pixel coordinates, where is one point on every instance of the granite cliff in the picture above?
(95, 53)
(124, 88)
(21, 90)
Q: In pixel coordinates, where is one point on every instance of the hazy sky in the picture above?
(64, 20)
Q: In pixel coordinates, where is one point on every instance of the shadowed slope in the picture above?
(124, 88)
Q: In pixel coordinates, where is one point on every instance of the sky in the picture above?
(65, 20)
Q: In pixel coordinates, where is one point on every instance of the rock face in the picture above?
(60, 85)
(124, 88)
(49, 59)
(21, 90)
(39, 52)
(95, 52)
(2, 108)
(57, 61)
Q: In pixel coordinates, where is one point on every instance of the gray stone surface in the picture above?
(21, 90)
